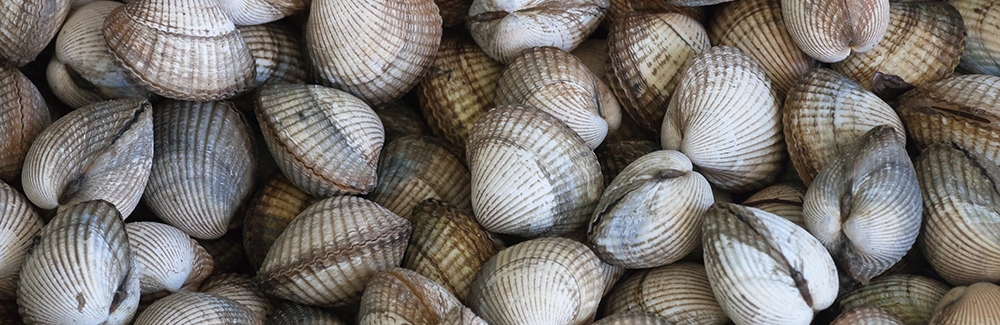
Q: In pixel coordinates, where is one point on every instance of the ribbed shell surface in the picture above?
(964, 110)
(679, 293)
(453, 12)
(330, 251)
(376, 50)
(270, 210)
(910, 297)
(277, 54)
(26, 27)
(783, 200)
(18, 228)
(633, 319)
(982, 36)
(289, 313)
(830, 30)
(195, 308)
(867, 315)
(978, 303)
(531, 174)
(619, 8)
(168, 259)
(402, 296)
(23, 116)
(64, 86)
(257, 12)
(505, 28)
(240, 288)
(399, 119)
(615, 156)
(414, 168)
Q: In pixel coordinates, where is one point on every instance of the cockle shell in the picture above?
(277, 52)
(867, 315)
(978, 303)
(257, 12)
(679, 293)
(619, 8)
(829, 31)
(27, 27)
(228, 253)
(240, 288)
(615, 156)
(18, 228)
(633, 319)
(453, 12)
(783, 200)
(168, 259)
(505, 28)
(910, 297)
(402, 296)
(273, 206)
(414, 168)
(289, 313)
(982, 24)
(400, 120)
(592, 53)
(196, 308)
(23, 116)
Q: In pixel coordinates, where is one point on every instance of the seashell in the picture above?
(633, 319)
(706, 114)
(240, 288)
(830, 31)
(982, 23)
(619, 8)
(615, 156)
(99, 151)
(288, 313)
(19, 226)
(399, 120)
(610, 275)
(978, 303)
(448, 246)
(23, 116)
(646, 56)
(679, 293)
(167, 259)
(824, 114)
(402, 296)
(721, 195)
(539, 281)
(867, 315)
(328, 253)
(923, 43)
(375, 50)
(453, 11)
(257, 12)
(633, 228)
(757, 28)
(228, 253)
(64, 86)
(505, 28)
(696, 3)
(458, 89)
(592, 53)
(960, 200)
(187, 50)
(865, 206)
(532, 175)
(277, 52)
(270, 210)
(80, 269)
(28, 27)
(783, 200)
(326, 141)
(415, 168)
(558, 83)
(196, 308)
(910, 297)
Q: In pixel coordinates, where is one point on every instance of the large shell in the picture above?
(376, 50)
(558, 83)
(829, 31)
(505, 28)
(240, 288)
(867, 315)
(289, 313)
(277, 53)
(402, 296)
(23, 116)
(326, 141)
(167, 258)
(615, 156)
(982, 24)
(783, 200)
(765, 269)
(634, 226)
(99, 151)
(256, 12)
(646, 54)
(961, 218)
(27, 27)
(824, 114)
(330, 251)
(680, 293)
(540, 281)
(181, 49)
(196, 308)
(531, 174)
(978, 303)
(80, 271)
(910, 297)
(18, 228)
(415, 168)
(273, 206)
(725, 117)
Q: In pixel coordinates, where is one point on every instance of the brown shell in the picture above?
(399, 120)
(196, 308)
(910, 297)
(592, 53)
(23, 116)
(633, 319)
(453, 12)
(505, 28)
(240, 288)
(289, 313)
(784, 200)
(679, 293)
(619, 8)
(227, 252)
(18, 228)
(257, 12)
(978, 303)
(867, 315)
(277, 53)
(615, 156)
(829, 31)
(400, 296)
(168, 259)
(26, 28)
(982, 24)
(414, 168)
(270, 210)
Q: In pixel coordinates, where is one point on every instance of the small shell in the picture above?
(26, 28)
(679, 293)
(725, 117)
(783, 200)
(277, 53)
(376, 50)
(505, 28)
(415, 168)
(633, 319)
(240, 288)
(531, 174)
(540, 281)
(23, 116)
(910, 297)
(99, 151)
(273, 206)
(400, 120)
(256, 12)
(196, 308)
(829, 31)
(18, 228)
(867, 315)
(400, 296)
(289, 313)
(982, 24)
(615, 156)
(978, 303)
(328, 253)
(167, 258)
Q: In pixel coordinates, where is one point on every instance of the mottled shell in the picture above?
(540, 281)
(270, 210)
(982, 25)
(558, 83)
(196, 308)
(99, 151)
(824, 114)
(240, 288)
(646, 56)
(328, 253)
(289, 313)
(277, 53)
(783, 200)
(415, 168)
(505, 28)
(168, 259)
(531, 174)
(764, 268)
(978, 303)
(23, 116)
(829, 31)
(326, 141)
(867, 315)
(910, 297)
(27, 27)
(181, 49)
(402, 296)
(80, 270)
(18, 228)
(633, 319)
(257, 12)
(961, 218)
(725, 117)
(679, 293)
(376, 50)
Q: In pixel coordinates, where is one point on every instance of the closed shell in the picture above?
(23, 116)
(257, 12)
(978, 303)
(679, 293)
(168, 259)
(867, 315)
(18, 228)
(270, 210)
(830, 31)
(400, 120)
(910, 297)
(196, 308)
(982, 24)
(26, 28)
(783, 200)
(619, 8)
(615, 156)
(240, 288)
(289, 313)
(402, 296)
(505, 28)
(415, 168)
(277, 53)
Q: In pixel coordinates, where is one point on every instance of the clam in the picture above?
(257, 12)
(273, 206)
(18, 228)
(23, 116)
(289, 313)
(453, 12)
(867, 315)
(725, 117)
(376, 50)
(633, 319)
(615, 156)
(80, 269)
(978, 303)
(414, 168)
(228, 253)
(679, 293)
(277, 53)
(167, 258)
(196, 308)
(505, 28)
(400, 120)
(592, 53)
(911, 298)
(185, 49)
(240, 288)
(402, 296)
(765, 269)
(100, 151)
(619, 8)
(830, 31)
(982, 23)
(531, 174)
(27, 27)
(540, 281)
(783, 200)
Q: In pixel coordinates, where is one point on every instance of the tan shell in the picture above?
(26, 28)
(18, 228)
(257, 12)
(922, 44)
(679, 293)
(531, 174)
(619, 8)
(167, 258)
(400, 296)
(99, 151)
(757, 28)
(326, 141)
(865, 205)
(961, 200)
(415, 168)
(783, 200)
(196, 308)
(376, 50)
(328, 252)
(615, 156)
(829, 31)
(592, 53)
(64, 86)
(725, 117)
(453, 12)
(764, 268)
(982, 24)
(270, 210)
(505, 28)
(634, 228)
(867, 315)
(540, 281)
(400, 120)
(80, 270)
(558, 83)
(978, 303)
(448, 246)
(181, 49)
(289, 313)
(240, 288)
(23, 116)
(824, 114)
(910, 297)
(646, 56)
(277, 53)
(633, 319)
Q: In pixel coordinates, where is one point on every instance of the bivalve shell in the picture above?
(277, 53)
(257, 12)
(414, 168)
(289, 313)
(27, 27)
(453, 12)
(23, 116)
(240, 288)
(633, 319)
(402, 296)
(978, 303)
(615, 156)
(167, 258)
(679, 293)
(619, 8)
(830, 31)
(18, 228)
(867, 315)
(784, 200)
(982, 24)
(196, 308)
(400, 120)
(273, 206)
(910, 297)
(505, 28)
